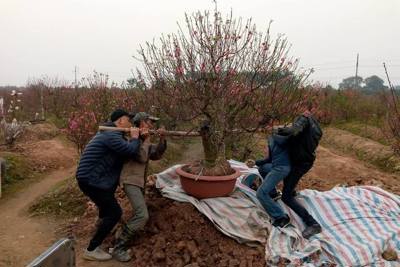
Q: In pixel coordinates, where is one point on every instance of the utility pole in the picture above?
(42, 100)
(356, 79)
(76, 75)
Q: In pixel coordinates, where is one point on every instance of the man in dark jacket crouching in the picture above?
(98, 176)
(305, 134)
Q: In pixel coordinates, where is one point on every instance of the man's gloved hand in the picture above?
(250, 163)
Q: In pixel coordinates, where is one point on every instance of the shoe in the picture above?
(312, 230)
(276, 195)
(96, 255)
(120, 254)
(282, 222)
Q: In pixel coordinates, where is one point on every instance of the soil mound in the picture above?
(49, 154)
(40, 131)
(177, 235)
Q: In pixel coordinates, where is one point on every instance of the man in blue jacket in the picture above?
(274, 168)
(98, 176)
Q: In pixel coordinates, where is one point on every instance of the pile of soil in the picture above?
(39, 131)
(45, 149)
(49, 154)
(176, 235)
(197, 168)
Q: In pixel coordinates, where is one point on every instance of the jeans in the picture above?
(109, 212)
(263, 170)
(141, 215)
(276, 175)
(289, 185)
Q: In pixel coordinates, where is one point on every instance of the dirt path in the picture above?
(333, 168)
(23, 238)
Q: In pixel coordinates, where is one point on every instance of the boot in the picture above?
(120, 251)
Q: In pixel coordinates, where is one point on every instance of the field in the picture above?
(51, 206)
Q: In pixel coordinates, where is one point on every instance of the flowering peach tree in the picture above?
(226, 75)
(92, 105)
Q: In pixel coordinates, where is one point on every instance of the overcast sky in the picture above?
(51, 37)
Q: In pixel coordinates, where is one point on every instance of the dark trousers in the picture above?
(289, 185)
(109, 212)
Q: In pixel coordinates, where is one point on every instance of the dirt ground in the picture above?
(23, 238)
(331, 169)
(177, 234)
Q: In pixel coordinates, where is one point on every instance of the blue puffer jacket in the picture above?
(101, 162)
(278, 152)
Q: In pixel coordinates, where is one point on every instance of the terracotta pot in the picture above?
(207, 186)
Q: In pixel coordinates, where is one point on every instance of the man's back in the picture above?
(305, 134)
(304, 144)
(101, 161)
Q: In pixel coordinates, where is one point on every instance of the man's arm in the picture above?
(296, 128)
(123, 147)
(261, 162)
(156, 151)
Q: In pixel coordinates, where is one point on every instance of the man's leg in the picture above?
(264, 170)
(141, 216)
(263, 194)
(109, 209)
(134, 224)
(289, 185)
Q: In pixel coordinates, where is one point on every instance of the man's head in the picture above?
(144, 120)
(121, 118)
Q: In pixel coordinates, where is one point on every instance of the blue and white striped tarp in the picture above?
(359, 223)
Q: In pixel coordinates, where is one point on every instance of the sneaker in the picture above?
(312, 230)
(121, 255)
(282, 222)
(96, 255)
(276, 195)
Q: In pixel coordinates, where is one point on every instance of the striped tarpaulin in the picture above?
(358, 223)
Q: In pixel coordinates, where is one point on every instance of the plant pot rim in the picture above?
(232, 176)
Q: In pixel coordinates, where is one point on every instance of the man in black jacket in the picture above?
(305, 134)
(98, 176)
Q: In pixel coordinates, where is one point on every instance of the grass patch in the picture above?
(372, 132)
(58, 122)
(364, 149)
(172, 155)
(19, 172)
(65, 200)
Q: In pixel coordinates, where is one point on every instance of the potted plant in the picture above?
(228, 78)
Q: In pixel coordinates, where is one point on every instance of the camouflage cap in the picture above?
(140, 116)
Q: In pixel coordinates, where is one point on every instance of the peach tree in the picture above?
(224, 74)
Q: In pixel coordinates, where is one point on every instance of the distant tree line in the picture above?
(369, 85)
